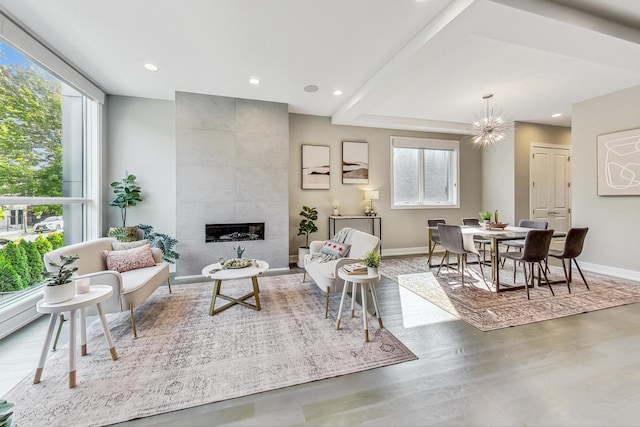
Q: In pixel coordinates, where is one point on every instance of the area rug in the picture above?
(472, 302)
(184, 357)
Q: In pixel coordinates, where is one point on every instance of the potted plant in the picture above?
(306, 227)
(59, 286)
(127, 194)
(485, 216)
(5, 417)
(372, 261)
(162, 241)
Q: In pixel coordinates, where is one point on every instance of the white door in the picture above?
(551, 185)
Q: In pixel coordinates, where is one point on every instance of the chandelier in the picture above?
(490, 127)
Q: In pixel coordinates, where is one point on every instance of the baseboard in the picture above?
(420, 250)
(610, 271)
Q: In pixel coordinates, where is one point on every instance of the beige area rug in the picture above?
(184, 357)
(476, 305)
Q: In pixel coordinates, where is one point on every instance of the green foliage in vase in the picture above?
(162, 241)
(5, 417)
(307, 224)
(121, 234)
(127, 195)
(66, 269)
(485, 216)
(371, 259)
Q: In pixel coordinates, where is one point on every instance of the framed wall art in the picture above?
(619, 163)
(316, 171)
(355, 162)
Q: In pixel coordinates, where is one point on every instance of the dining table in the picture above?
(496, 236)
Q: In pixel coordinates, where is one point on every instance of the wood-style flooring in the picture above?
(582, 370)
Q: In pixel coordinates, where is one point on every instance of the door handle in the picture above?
(552, 213)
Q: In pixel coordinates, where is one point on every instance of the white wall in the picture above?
(614, 236)
(498, 179)
(141, 140)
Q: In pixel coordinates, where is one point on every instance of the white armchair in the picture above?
(325, 273)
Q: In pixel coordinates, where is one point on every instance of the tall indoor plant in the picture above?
(127, 194)
(306, 227)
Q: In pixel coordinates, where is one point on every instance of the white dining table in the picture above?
(496, 236)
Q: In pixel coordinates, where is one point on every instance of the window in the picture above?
(49, 137)
(424, 173)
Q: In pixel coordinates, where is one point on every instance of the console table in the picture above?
(375, 221)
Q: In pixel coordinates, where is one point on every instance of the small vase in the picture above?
(372, 271)
(336, 212)
(60, 293)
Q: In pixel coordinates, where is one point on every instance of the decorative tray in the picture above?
(496, 225)
(234, 263)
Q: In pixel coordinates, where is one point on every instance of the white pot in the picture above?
(60, 293)
(372, 271)
(301, 253)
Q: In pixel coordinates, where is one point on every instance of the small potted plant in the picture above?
(59, 286)
(372, 261)
(306, 227)
(5, 416)
(485, 217)
(127, 195)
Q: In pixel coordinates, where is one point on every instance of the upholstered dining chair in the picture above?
(534, 251)
(573, 244)
(452, 241)
(435, 236)
(482, 242)
(525, 223)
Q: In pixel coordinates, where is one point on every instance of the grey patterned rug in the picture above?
(184, 357)
(472, 301)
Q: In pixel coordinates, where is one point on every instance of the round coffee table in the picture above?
(217, 273)
(365, 281)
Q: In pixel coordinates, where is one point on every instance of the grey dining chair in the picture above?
(573, 244)
(534, 251)
(482, 242)
(435, 236)
(452, 241)
(525, 223)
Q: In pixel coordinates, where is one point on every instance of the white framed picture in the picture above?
(618, 157)
(355, 162)
(316, 170)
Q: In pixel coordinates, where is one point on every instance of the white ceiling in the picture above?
(401, 63)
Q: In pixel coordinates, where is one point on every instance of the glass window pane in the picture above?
(406, 175)
(437, 165)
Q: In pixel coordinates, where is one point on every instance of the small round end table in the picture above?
(366, 281)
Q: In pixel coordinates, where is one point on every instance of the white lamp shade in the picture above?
(372, 195)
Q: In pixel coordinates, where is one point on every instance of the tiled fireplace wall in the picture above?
(232, 160)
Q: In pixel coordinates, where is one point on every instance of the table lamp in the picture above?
(371, 196)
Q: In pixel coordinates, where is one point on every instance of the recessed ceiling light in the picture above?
(150, 67)
(254, 81)
(337, 92)
(311, 88)
(557, 115)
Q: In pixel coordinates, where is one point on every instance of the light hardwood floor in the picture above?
(581, 370)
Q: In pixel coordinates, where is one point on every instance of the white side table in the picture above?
(217, 273)
(366, 281)
(96, 295)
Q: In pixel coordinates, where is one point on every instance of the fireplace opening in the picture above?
(234, 232)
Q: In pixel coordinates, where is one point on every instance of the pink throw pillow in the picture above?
(129, 259)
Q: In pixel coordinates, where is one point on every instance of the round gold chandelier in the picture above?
(490, 127)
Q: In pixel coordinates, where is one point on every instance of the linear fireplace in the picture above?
(234, 232)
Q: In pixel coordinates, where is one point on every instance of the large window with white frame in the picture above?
(49, 169)
(424, 173)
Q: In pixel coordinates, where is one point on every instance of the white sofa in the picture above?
(325, 274)
(130, 288)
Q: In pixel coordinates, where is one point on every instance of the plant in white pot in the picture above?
(127, 195)
(59, 286)
(306, 227)
(372, 261)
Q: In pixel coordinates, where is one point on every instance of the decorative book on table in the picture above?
(356, 268)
